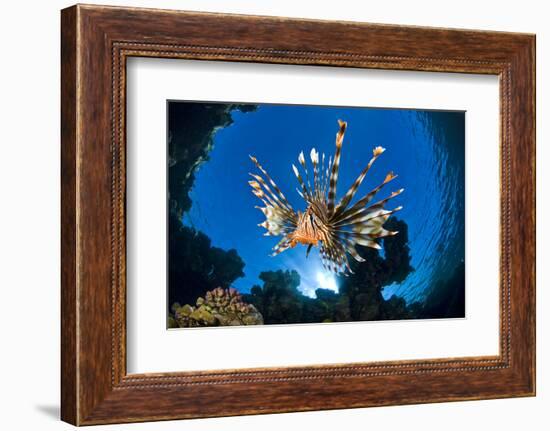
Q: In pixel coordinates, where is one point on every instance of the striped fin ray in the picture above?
(334, 253)
(325, 259)
(266, 198)
(305, 192)
(361, 203)
(368, 223)
(371, 224)
(327, 176)
(276, 223)
(274, 200)
(362, 239)
(302, 161)
(363, 213)
(280, 218)
(381, 203)
(324, 175)
(314, 156)
(282, 245)
(350, 248)
(355, 186)
(342, 259)
(330, 260)
(328, 256)
(335, 166)
(277, 189)
(260, 194)
(322, 172)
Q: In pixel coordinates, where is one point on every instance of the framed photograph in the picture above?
(280, 207)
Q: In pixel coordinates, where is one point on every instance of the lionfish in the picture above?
(336, 228)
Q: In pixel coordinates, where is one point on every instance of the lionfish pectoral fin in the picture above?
(308, 250)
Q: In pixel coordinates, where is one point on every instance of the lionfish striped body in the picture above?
(336, 228)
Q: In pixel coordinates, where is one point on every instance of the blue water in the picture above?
(425, 149)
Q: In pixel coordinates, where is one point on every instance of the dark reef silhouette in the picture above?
(191, 128)
(196, 268)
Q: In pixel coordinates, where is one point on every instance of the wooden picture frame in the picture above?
(95, 43)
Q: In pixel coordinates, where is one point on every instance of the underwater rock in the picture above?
(219, 307)
(320, 308)
(195, 266)
(315, 311)
(342, 312)
(279, 300)
(397, 259)
(364, 287)
(326, 295)
(395, 308)
(190, 140)
(367, 307)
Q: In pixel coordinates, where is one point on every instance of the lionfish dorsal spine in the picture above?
(336, 165)
(305, 191)
(302, 161)
(314, 156)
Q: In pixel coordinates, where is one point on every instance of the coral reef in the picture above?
(219, 307)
